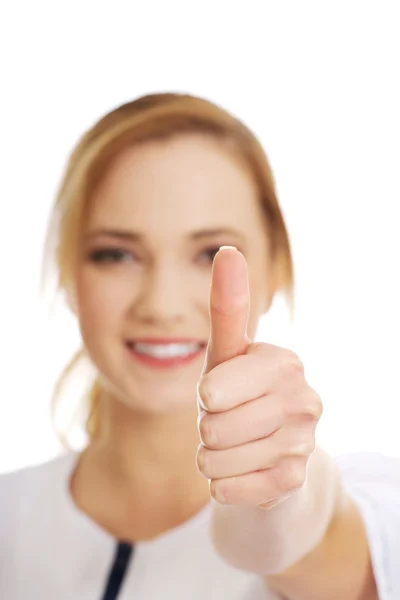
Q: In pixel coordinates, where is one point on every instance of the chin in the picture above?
(151, 390)
(155, 398)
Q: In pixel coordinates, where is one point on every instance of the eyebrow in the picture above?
(133, 236)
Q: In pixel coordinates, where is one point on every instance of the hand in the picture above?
(257, 414)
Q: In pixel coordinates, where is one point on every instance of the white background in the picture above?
(317, 81)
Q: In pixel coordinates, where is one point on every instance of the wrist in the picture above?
(301, 522)
(269, 541)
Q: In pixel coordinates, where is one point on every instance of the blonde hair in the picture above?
(155, 116)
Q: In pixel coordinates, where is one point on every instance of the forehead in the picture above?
(179, 185)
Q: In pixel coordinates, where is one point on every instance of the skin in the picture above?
(256, 413)
(148, 443)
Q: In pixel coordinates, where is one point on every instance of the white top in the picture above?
(50, 550)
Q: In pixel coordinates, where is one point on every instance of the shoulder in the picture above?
(20, 490)
(36, 474)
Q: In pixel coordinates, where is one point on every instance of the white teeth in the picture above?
(166, 350)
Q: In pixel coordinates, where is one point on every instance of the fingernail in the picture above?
(228, 248)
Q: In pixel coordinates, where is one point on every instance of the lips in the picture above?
(165, 352)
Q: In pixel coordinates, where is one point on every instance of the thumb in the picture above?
(229, 307)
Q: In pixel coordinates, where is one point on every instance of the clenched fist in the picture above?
(257, 413)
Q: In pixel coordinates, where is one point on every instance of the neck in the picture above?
(152, 457)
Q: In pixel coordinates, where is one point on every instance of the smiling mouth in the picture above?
(166, 350)
(165, 354)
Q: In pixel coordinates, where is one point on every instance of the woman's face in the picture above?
(143, 280)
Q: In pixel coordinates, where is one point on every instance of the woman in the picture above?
(150, 195)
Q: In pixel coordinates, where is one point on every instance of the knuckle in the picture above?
(304, 447)
(290, 410)
(208, 393)
(306, 406)
(292, 476)
(317, 408)
(225, 491)
(313, 407)
(203, 460)
(294, 364)
(218, 491)
(207, 432)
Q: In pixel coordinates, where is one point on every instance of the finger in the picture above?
(229, 307)
(257, 455)
(233, 462)
(261, 487)
(251, 421)
(246, 377)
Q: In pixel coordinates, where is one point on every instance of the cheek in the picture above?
(101, 302)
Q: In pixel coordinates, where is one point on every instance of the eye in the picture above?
(208, 255)
(110, 255)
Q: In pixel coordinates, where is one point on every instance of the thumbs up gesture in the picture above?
(257, 414)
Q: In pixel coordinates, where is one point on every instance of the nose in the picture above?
(163, 297)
